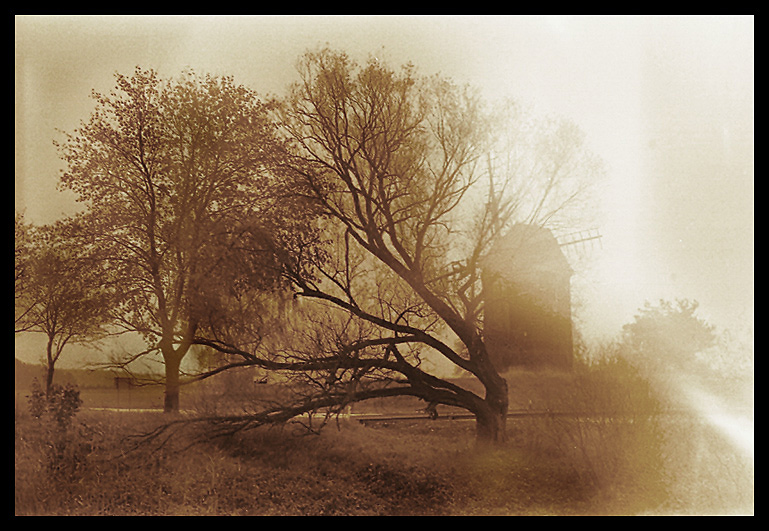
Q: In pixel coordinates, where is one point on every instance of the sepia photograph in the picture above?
(384, 265)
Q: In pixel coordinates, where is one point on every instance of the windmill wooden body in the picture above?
(527, 296)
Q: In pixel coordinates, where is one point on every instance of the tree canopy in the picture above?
(668, 335)
(22, 250)
(65, 296)
(403, 170)
(374, 193)
(179, 182)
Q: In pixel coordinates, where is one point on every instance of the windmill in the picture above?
(527, 300)
(580, 244)
(527, 293)
(526, 287)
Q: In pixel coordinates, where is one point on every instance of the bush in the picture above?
(604, 427)
(60, 404)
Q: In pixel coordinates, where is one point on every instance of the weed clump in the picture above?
(60, 404)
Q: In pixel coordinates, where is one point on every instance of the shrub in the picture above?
(60, 404)
(604, 426)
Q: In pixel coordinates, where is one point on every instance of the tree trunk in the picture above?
(491, 416)
(172, 363)
(48, 379)
(490, 427)
(49, 367)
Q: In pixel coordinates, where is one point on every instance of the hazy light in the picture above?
(723, 415)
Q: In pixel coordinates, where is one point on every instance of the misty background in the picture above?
(666, 101)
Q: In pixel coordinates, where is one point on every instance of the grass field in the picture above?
(642, 464)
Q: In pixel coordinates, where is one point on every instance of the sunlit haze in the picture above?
(666, 102)
(617, 380)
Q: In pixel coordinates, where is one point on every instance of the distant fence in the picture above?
(370, 418)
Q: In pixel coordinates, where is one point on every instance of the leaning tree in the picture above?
(177, 180)
(414, 179)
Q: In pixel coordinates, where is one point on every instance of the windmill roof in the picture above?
(527, 247)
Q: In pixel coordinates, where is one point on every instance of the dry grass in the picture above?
(353, 470)
(641, 464)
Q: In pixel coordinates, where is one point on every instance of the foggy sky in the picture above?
(667, 102)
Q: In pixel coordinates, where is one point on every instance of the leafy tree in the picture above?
(668, 335)
(412, 195)
(179, 183)
(70, 299)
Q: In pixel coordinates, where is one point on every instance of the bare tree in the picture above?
(23, 293)
(412, 194)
